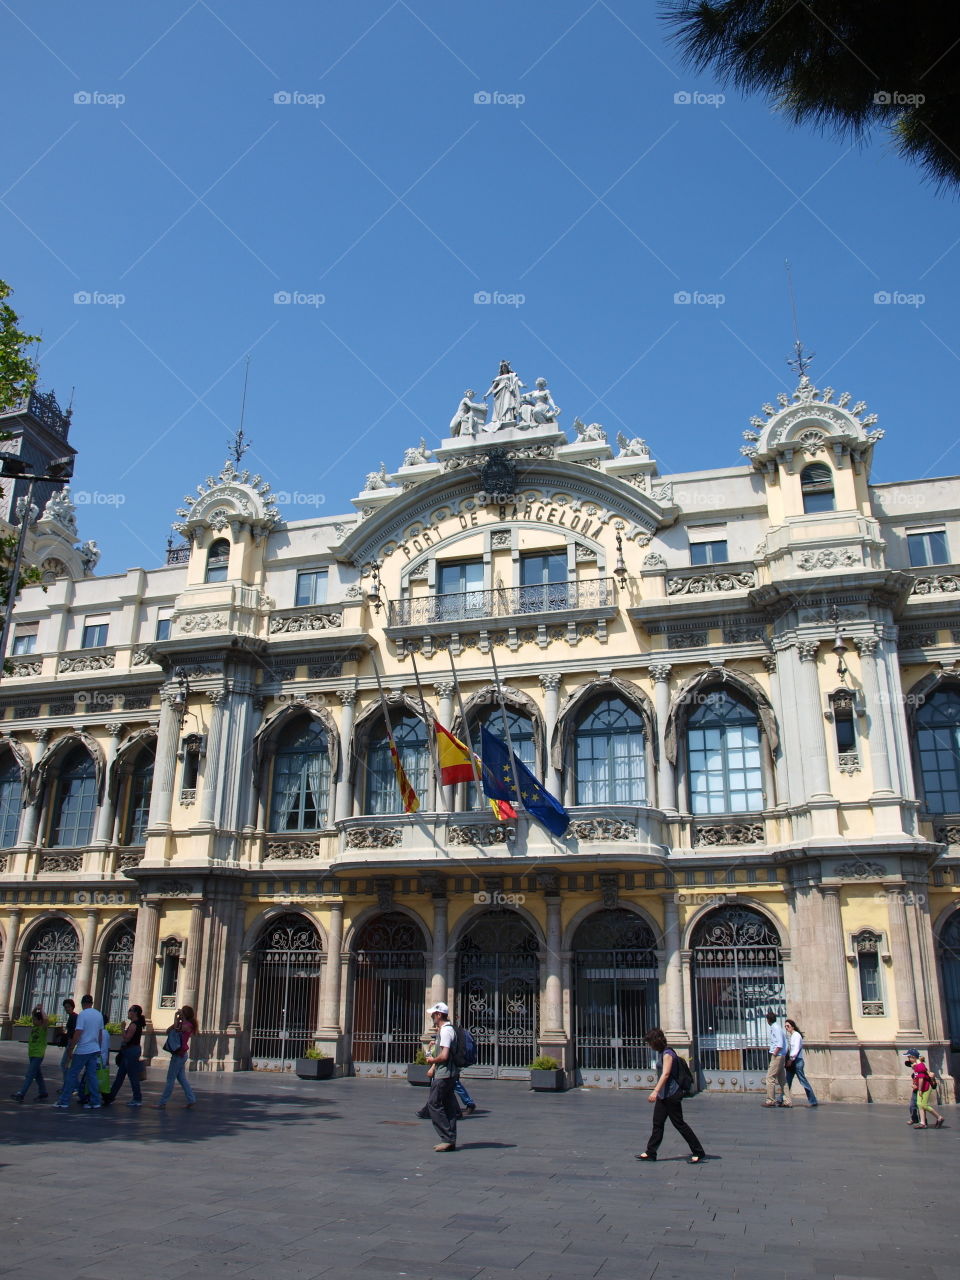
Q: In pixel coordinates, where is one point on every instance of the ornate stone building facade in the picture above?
(742, 683)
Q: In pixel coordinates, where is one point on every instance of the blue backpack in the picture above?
(464, 1050)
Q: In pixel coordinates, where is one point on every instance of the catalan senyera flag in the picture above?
(407, 794)
(456, 765)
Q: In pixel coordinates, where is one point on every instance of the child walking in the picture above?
(36, 1048)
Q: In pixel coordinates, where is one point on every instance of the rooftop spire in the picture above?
(801, 359)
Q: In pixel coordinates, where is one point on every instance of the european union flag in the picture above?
(498, 774)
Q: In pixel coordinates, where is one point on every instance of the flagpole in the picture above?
(386, 720)
(466, 729)
(426, 724)
(506, 727)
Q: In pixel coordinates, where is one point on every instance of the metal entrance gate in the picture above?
(389, 986)
(286, 998)
(737, 977)
(117, 971)
(498, 984)
(50, 968)
(617, 1000)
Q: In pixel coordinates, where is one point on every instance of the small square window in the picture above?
(164, 620)
(929, 547)
(709, 552)
(24, 642)
(312, 587)
(94, 633)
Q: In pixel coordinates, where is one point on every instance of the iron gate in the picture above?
(617, 999)
(50, 968)
(117, 971)
(498, 992)
(389, 985)
(737, 977)
(286, 999)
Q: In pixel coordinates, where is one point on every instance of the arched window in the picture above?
(938, 750)
(218, 561)
(382, 789)
(137, 806)
(950, 969)
(301, 779)
(816, 486)
(75, 800)
(522, 739)
(723, 756)
(11, 793)
(609, 755)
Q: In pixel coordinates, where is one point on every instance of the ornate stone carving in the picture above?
(632, 447)
(231, 496)
(61, 862)
(603, 829)
(849, 762)
(140, 658)
(769, 661)
(127, 860)
(89, 662)
(444, 688)
(3, 862)
(548, 881)
(383, 887)
(743, 635)
(200, 622)
(294, 850)
(592, 434)
(550, 681)
(935, 584)
(858, 869)
(41, 734)
(654, 560)
(808, 650)
(374, 838)
(723, 833)
(501, 538)
(176, 888)
(23, 669)
(660, 671)
(216, 696)
(947, 833)
(470, 416)
(495, 833)
(305, 622)
(828, 559)
(417, 455)
(686, 639)
(866, 645)
(707, 582)
(584, 553)
(609, 889)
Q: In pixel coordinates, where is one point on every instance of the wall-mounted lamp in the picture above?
(182, 694)
(620, 568)
(373, 595)
(839, 645)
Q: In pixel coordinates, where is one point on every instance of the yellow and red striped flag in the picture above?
(454, 757)
(407, 794)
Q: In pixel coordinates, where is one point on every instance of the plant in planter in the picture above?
(115, 1031)
(21, 1028)
(546, 1074)
(417, 1070)
(315, 1065)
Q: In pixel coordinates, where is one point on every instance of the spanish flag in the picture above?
(454, 757)
(407, 794)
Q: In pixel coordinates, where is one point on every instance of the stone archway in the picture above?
(498, 989)
(288, 965)
(389, 974)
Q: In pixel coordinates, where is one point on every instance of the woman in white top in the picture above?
(795, 1060)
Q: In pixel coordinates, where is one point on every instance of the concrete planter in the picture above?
(548, 1081)
(315, 1068)
(417, 1074)
(21, 1034)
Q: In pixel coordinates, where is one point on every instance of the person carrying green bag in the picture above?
(87, 1051)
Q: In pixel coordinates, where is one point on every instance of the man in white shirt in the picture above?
(87, 1049)
(777, 1070)
(442, 1106)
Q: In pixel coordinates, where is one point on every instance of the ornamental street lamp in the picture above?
(58, 472)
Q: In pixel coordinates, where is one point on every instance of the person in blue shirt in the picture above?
(777, 1070)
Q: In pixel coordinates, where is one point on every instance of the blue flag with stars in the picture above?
(498, 775)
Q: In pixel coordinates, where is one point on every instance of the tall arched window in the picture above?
(609, 755)
(938, 750)
(522, 738)
(11, 794)
(218, 561)
(723, 756)
(75, 801)
(137, 807)
(300, 798)
(816, 486)
(950, 969)
(382, 789)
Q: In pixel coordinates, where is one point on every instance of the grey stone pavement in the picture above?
(288, 1179)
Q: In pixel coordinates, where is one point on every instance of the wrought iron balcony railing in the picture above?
(502, 602)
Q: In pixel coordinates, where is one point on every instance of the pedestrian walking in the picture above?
(36, 1048)
(912, 1055)
(925, 1085)
(667, 1100)
(469, 1106)
(178, 1039)
(776, 1071)
(794, 1063)
(128, 1058)
(88, 1049)
(442, 1105)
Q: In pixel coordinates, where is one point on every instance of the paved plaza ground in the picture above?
(275, 1177)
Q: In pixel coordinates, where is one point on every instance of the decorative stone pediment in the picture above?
(810, 423)
(233, 500)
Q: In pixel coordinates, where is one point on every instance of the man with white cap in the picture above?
(442, 1106)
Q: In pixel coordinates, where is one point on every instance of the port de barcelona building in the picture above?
(742, 685)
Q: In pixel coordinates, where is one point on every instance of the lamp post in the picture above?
(58, 471)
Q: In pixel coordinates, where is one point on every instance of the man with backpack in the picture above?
(675, 1082)
(442, 1105)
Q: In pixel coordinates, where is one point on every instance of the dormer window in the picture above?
(218, 561)
(927, 546)
(816, 485)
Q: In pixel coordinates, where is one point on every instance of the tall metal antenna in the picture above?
(239, 445)
(801, 359)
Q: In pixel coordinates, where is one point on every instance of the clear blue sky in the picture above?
(597, 198)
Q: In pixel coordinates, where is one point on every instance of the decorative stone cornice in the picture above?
(373, 837)
(231, 500)
(727, 833)
(810, 423)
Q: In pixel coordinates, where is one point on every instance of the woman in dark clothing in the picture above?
(668, 1102)
(128, 1059)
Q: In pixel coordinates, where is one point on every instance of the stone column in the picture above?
(108, 805)
(666, 785)
(550, 684)
(552, 1023)
(211, 765)
(671, 1014)
(330, 992)
(877, 736)
(348, 698)
(444, 690)
(165, 767)
(85, 970)
(833, 963)
(904, 979)
(6, 968)
(143, 975)
(191, 977)
(780, 759)
(811, 723)
(438, 977)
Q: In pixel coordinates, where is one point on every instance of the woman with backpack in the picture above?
(128, 1058)
(178, 1046)
(667, 1099)
(925, 1085)
(794, 1063)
